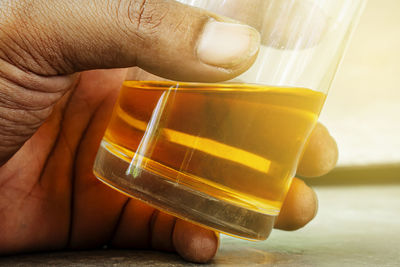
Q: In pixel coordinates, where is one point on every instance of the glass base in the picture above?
(182, 201)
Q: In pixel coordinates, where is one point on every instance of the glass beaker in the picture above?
(223, 155)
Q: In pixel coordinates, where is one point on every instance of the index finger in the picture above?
(320, 154)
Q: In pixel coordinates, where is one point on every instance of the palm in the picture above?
(49, 198)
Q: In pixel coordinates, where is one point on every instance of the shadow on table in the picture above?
(364, 175)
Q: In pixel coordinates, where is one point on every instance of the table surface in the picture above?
(357, 225)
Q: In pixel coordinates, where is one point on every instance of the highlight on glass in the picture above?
(223, 155)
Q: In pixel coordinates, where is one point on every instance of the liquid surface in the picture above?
(239, 143)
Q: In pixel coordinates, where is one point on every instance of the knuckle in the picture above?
(22, 109)
(23, 91)
(24, 42)
(146, 15)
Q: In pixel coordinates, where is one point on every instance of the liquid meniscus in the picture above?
(239, 143)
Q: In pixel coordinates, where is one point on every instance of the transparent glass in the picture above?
(223, 155)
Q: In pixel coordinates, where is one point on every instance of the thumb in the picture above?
(164, 37)
(43, 41)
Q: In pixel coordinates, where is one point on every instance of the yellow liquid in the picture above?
(238, 143)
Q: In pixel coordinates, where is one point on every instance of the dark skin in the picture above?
(50, 199)
(52, 118)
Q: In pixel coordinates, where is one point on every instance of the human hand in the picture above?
(52, 120)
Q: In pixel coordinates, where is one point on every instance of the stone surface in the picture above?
(357, 225)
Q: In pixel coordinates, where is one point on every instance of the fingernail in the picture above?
(227, 44)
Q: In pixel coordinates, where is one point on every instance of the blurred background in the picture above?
(363, 106)
(362, 110)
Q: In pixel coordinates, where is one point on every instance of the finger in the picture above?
(162, 226)
(194, 243)
(190, 241)
(95, 208)
(134, 228)
(320, 154)
(165, 37)
(299, 207)
(143, 227)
